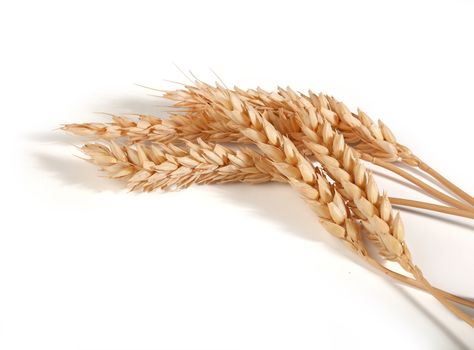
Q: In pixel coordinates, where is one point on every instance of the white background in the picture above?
(86, 265)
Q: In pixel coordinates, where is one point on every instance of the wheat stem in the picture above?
(441, 298)
(433, 207)
(448, 184)
(416, 283)
(416, 181)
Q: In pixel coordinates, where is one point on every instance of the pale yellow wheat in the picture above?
(355, 195)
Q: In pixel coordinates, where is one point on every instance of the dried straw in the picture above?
(286, 127)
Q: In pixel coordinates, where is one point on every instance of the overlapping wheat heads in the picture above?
(373, 143)
(371, 139)
(204, 123)
(287, 128)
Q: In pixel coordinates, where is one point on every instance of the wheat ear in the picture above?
(167, 166)
(191, 126)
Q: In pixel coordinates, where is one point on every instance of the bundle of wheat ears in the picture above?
(311, 141)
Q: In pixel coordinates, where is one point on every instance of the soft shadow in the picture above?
(440, 217)
(427, 178)
(397, 286)
(418, 172)
(73, 171)
(458, 342)
(52, 137)
(277, 202)
(399, 181)
(283, 206)
(405, 184)
(148, 105)
(280, 204)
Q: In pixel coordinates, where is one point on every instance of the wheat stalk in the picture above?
(161, 166)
